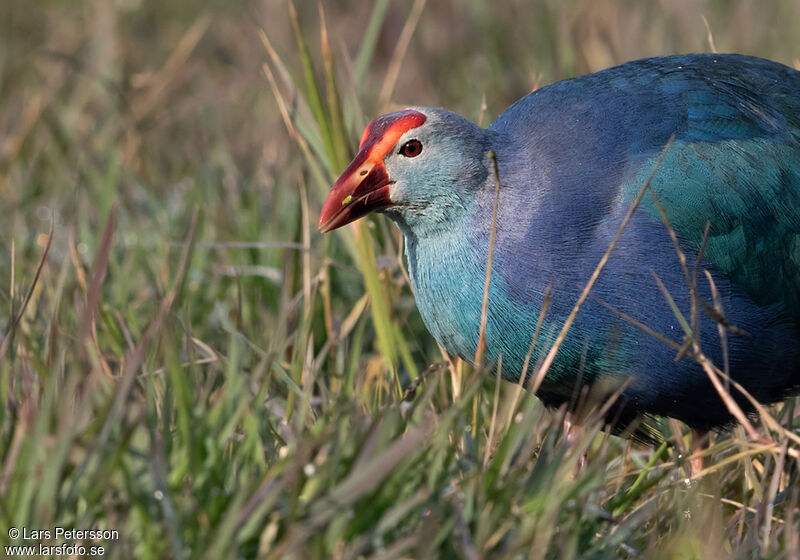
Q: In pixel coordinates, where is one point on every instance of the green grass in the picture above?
(192, 365)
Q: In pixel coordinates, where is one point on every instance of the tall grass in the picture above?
(186, 361)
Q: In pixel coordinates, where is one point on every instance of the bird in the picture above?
(695, 154)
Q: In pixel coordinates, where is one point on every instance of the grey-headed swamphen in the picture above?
(572, 158)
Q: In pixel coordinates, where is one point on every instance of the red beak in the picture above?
(364, 185)
(361, 189)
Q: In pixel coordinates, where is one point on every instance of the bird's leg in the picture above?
(572, 433)
(569, 426)
(700, 442)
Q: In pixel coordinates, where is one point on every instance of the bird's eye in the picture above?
(412, 148)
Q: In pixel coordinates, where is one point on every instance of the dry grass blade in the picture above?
(31, 112)
(8, 339)
(159, 85)
(520, 385)
(290, 127)
(771, 493)
(493, 420)
(712, 47)
(399, 53)
(345, 328)
(732, 459)
(313, 96)
(687, 329)
(484, 107)
(765, 416)
(695, 315)
(693, 325)
(338, 135)
(723, 335)
(741, 506)
(726, 397)
(267, 492)
(479, 351)
(94, 288)
(306, 231)
(638, 324)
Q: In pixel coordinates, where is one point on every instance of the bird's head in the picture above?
(422, 167)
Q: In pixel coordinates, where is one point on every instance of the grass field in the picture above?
(187, 362)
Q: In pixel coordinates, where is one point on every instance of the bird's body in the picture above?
(571, 158)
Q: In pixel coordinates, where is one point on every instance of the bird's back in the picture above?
(735, 159)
